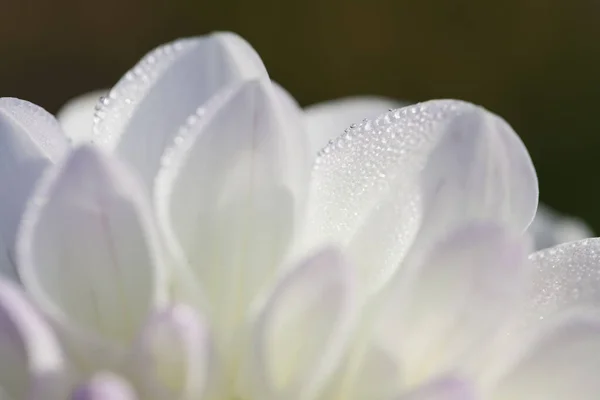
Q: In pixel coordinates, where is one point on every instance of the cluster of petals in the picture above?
(201, 237)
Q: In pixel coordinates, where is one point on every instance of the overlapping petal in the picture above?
(565, 277)
(88, 250)
(32, 364)
(175, 356)
(30, 140)
(142, 114)
(231, 192)
(300, 333)
(423, 168)
(561, 363)
(439, 313)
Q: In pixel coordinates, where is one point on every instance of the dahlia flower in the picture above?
(191, 246)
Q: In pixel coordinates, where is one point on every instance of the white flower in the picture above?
(194, 252)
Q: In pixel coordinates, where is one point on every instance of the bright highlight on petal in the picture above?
(30, 140)
(77, 115)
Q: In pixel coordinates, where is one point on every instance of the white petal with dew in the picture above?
(466, 161)
(88, 250)
(301, 331)
(32, 365)
(30, 140)
(566, 276)
(175, 355)
(437, 314)
(327, 120)
(230, 192)
(562, 363)
(142, 113)
(104, 386)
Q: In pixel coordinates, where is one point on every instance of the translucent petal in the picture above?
(446, 388)
(77, 115)
(466, 162)
(549, 228)
(174, 355)
(327, 120)
(565, 277)
(142, 113)
(301, 331)
(30, 140)
(88, 250)
(230, 192)
(32, 365)
(562, 363)
(104, 386)
(439, 313)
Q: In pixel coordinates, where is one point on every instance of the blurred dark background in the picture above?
(535, 62)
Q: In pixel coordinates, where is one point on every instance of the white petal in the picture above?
(88, 250)
(104, 386)
(327, 120)
(143, 112)
(77, 115)
(562, 364)
(565, 277)
(549, 228)
(32, 365)
(230, 193)
(301, 331)
(175, 355)
(440, 312)
(447, 388)
(367, 372)
(30, 140)
(467, 162)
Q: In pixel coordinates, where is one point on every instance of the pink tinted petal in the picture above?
(32, 364)
(175, 355)
(104, 386)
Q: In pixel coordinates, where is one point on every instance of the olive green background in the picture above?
(536, 63)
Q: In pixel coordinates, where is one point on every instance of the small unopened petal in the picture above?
(104, 387)
(175, 355)
(30, 141)
(302, 330)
